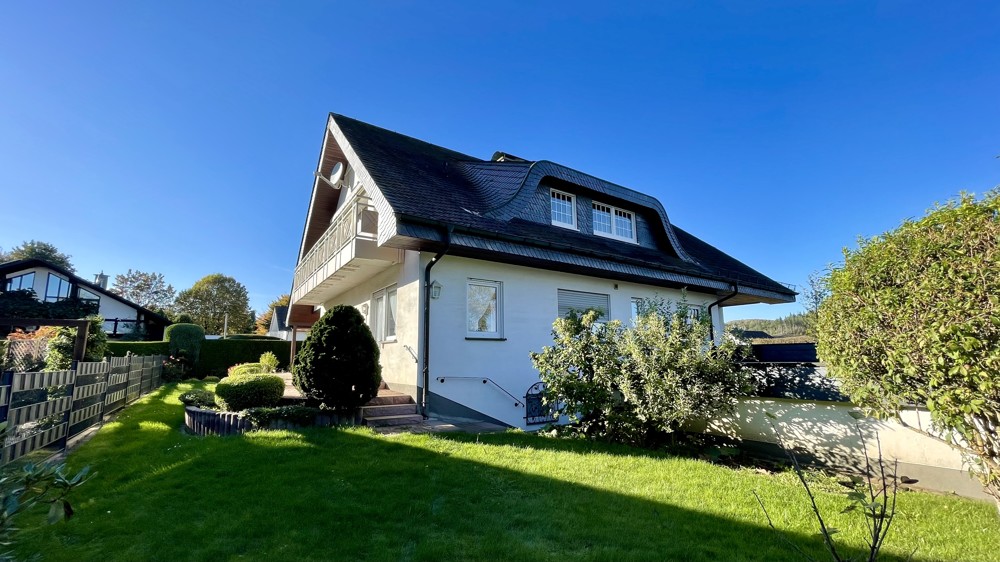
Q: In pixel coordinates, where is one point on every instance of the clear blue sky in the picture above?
(180, 137)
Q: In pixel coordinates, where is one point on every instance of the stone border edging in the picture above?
(214, 422)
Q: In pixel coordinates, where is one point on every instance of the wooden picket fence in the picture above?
(47, 409)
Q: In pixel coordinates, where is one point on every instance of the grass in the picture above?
(322, 494)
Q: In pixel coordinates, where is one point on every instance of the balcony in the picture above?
(346, 254)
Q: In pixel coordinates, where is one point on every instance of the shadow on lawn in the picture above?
(327, 494)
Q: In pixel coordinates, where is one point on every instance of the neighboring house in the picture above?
(460, 265)
(53, 283)
(278, 327)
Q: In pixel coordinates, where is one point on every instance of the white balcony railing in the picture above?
(357, 220)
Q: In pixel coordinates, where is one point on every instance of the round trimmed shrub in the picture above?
(337, 365)
(235, 394)
(198, 398)
(210, 379)
(247, 369)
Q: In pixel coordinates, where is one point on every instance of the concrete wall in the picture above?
(826, 431)
(529, 306)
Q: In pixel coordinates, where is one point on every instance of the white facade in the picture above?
(44, 286)
(528, 307)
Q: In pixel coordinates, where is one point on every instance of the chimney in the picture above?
(101, 280)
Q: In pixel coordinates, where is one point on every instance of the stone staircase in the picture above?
(391, 408)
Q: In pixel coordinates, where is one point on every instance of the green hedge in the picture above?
(219, 355)
(121, 348)
(235, 394)
(251, 337)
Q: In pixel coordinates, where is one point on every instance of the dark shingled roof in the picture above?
(490, 205)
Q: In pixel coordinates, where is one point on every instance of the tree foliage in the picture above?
(25, 304)
(263, 323)
(211, 299)
(148, 290)
(338, 364)
(637, 384)
(792, 325)
(62, 344)
(914, 317)
(41, 250)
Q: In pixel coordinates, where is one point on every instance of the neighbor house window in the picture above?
(483, 318)
(87, 296)
(563, 209)
(613, 222)
(57, 288)
(21, 282)
(382, 316)
(636, 305)
(580, 302)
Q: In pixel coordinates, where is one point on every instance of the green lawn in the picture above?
(324, 494)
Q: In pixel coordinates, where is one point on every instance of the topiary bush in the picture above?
(198, 398)
(211, 379)
(185, 339)
(235, 394)
(247, 369)
(338, 363)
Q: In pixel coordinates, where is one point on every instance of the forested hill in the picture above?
(791, 325)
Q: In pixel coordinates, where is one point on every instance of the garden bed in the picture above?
(214, 422)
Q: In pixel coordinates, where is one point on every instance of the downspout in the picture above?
(736, 291)
(425, 368)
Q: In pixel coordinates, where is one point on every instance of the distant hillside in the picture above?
(791, 325)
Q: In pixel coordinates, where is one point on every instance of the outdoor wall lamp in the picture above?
(435, 290)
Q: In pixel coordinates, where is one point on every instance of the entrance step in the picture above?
(383, 421)
(391, 408)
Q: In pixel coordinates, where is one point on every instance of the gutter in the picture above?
(736, 291)
(425, 367)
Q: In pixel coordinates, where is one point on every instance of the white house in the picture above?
(460, 265)
(278, 328)
(52, 283)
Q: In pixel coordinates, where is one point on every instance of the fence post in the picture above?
(6, 386)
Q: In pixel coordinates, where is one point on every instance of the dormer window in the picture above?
(563, 209)
(614, 222)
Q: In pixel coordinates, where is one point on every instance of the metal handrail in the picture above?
(346, 226)
(487, 380)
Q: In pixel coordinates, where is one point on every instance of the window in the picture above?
(579, 301)
(57, 288)
(382, 317)
(21, 282)
(483, 317)
(563, 209)
(613, 222)
(87, 296)
(636, 305)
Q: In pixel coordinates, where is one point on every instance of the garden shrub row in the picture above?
(121, 348)
(238, 393)
(218, 355)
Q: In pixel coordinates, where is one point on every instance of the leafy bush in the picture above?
(247, 369)
(235, 394)
(270, 361)
(338, 363)
(913, 317)
(141, 348)
(211, 379)
(60, 352)
(25, 304)
(199, 398)
(218, 355)
(298, 415)
(636, 385)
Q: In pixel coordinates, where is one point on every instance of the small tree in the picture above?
(62, 344)
(184, 344)
(338, 365)
(913, 317)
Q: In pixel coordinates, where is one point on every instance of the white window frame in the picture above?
(634, 304)
(556, 194)
(498, 334)
(378, 314)
(614, 213)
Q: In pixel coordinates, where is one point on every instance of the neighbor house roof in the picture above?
(21, 265)
(496, 209)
